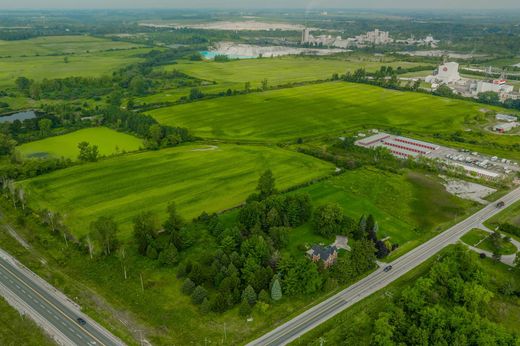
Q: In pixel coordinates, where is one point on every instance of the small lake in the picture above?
(211, 55)
(17, 116)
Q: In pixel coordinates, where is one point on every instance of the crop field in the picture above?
(277, 70)
(196, 177)
(409, 208)
(109, 142)
(57, 45)
(321, 109)
(81, 65)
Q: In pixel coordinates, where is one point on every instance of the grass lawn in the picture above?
(81, 65)
(279, 70)
(56, 45)
(324, 109)
(475, 236)
(108, 141)
(511, 215)
(480, 239)
(16, 329)
(196, 178)
(410, 208)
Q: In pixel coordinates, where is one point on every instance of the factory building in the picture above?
(445, 74)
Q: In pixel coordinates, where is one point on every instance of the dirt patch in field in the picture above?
(466, 190)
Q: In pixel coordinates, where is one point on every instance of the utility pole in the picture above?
(142, 284)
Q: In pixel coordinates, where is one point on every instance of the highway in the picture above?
(377, 280)
(48, 307)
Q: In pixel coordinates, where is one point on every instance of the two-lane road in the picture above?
(49, 308)
(318, 314)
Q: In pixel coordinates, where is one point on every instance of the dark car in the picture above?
(81, 321)
(387, 268)
(500, 204)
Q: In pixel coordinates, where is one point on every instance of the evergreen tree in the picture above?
(249, 295)
(245, 308)
(188, 286)
(276, 290)
(198, 295)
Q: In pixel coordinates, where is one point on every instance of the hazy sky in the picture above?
(433, 4)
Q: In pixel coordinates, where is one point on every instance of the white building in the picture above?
(506, 117)
(445, 74)
(374, 37)
(497, 86)
(505, 127)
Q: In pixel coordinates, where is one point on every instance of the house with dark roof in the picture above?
(327, 254)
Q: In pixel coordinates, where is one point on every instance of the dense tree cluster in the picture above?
(246, 268)
(447, 306)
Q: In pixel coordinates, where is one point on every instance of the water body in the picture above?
(211, 55)
(18, 116)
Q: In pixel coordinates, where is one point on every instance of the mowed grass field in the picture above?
(277, 70)
(320, 109)
(409, 208)
(196, 177)
(109, 142)
(50, 67)
(56, 45)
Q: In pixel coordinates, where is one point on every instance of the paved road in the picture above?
(54, 312)
(318, 314)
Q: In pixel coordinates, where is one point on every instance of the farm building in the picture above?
(504, 127)
(506, 117)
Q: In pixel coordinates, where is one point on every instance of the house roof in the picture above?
(323, 251)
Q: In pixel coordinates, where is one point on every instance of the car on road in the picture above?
(81, 321)
(500, 204)
(387, 268)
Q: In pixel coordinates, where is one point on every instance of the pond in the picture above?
(18, 116)
(208, 55)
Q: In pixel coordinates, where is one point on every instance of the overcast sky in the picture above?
(412, 4)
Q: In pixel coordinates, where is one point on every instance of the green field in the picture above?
(81, 65)
(278, 70)
(16, 329)
(409, 208)
(195, 177)
(58, 45)
(322, 109)
(108, 141)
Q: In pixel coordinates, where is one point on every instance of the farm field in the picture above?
(409, 208)
(277, 70)
(57, 45)
(109, 142)
(195, 177)
(173, 95)
(81, 65)
(287, 114)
